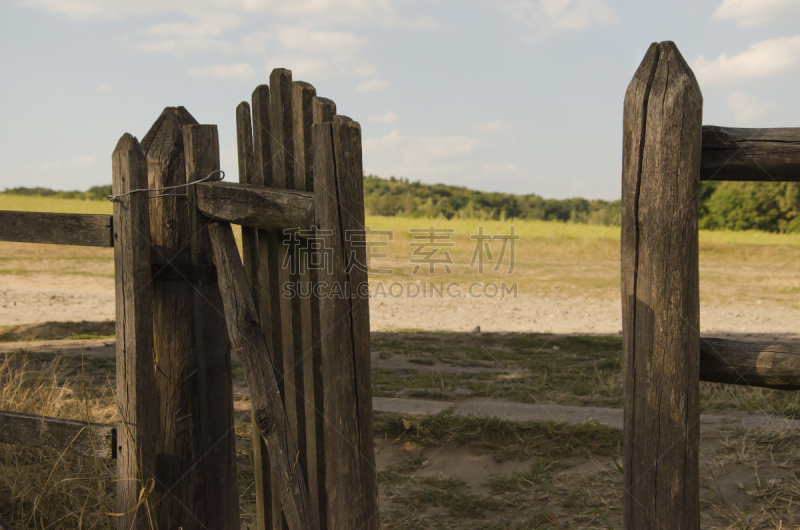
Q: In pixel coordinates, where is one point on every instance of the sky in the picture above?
(516, 96)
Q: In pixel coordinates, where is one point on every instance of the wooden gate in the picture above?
(185, 299)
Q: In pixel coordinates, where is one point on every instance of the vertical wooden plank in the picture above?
(660, 291)
(215, 391)
(136, 399)
(303, 98)
(339, 208)
(288, 321)
(265, 293)
(179, 484)
(323, 110)
(303, 95)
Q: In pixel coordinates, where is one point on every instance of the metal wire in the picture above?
(113, 198)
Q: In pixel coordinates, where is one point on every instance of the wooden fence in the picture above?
(185, 300)
(666, 153)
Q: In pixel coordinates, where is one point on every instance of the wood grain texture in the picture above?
(764, 155)
(282, 91)
(215, 384)
(92, 439)
(303, 95)
(323, 110)
(308, 373)
(774, 366)
(254, 271)
(268, 302)
(262, 143)
(660, 282)
(89, 230)
(137, 401)
(256, 206)
(250, 346)
(349, 454)
(179, 481)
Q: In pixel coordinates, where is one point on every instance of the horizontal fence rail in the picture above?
(762, 155)
(93, 439)
(775, 366)
(88, 230)
(256, 206)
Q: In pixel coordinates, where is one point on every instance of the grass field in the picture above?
(551, 258)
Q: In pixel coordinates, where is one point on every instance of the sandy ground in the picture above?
(35, 298)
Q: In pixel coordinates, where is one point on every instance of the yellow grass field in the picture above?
(551, 258)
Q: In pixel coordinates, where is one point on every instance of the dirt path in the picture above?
(519, 412)
(45, 297)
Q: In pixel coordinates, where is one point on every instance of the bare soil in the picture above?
(43, 297)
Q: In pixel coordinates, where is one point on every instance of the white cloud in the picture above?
(762, 59)
(423, 22)
(316, 13)
(313, 54)
(55, 165)
(388, 117)
(372, 85)
(494, 126)
(235, 71)
(257, 42)
(427, 157)
(746, 108)
(545, 17)
(299, 34)
(321, 13)
(302, 67)
(305, 40)
(104, 87)
(758, 12)
(201, 31)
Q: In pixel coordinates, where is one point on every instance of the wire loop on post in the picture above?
(113, 198)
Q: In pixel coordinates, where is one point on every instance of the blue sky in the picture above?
(521, 96)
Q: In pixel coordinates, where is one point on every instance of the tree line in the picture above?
(95, 193)
(772, 207)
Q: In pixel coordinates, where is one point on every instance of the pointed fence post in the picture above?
(660, 293)
(193, 441)
(138, 408)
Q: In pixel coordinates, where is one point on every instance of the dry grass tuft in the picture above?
(43, 488)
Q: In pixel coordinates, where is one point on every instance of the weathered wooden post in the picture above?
(138, 415)
(344, 319)
(215, 385)
(193, 442)
(660, 292)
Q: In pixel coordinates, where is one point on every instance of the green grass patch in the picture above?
(578, 370)
(503, 438)
(83, 330)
